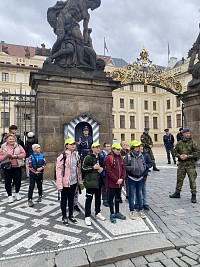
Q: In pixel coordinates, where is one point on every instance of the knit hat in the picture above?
(30, 134)
(35, 146)
(135, 143)
(117, 146)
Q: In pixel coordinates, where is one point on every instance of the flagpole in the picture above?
(104, 47)
(168, 51)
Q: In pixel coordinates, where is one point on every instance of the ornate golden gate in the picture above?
(143, 71)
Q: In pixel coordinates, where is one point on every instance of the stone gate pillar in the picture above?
(60, 97)
(191, 100)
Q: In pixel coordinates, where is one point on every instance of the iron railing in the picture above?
(17, 108)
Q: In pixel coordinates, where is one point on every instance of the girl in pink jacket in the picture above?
(68, 176)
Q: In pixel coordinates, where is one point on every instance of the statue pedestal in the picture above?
(61, 98)
(191, 100)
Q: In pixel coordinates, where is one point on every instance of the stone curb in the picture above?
(97, 254)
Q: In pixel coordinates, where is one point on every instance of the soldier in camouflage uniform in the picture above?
(148, 144)
(186, 152)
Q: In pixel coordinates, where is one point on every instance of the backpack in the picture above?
(111, 159)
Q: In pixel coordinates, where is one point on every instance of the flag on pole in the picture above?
(105, 47)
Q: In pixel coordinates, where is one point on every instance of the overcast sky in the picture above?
(128, 25)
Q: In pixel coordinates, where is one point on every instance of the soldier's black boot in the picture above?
(155, 168)
(193, 198)
(175, 195)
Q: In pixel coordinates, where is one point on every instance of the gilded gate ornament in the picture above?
(143, 71)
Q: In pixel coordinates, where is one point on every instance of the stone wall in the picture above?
(191, 100)
(60, 98)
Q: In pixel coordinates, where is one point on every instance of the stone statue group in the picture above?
(73, 48)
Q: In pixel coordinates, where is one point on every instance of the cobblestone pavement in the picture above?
(178, 219)
(27, 230)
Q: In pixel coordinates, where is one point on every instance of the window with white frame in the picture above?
(5, 77)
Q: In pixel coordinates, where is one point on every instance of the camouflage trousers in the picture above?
(190, 170)
(150, 152)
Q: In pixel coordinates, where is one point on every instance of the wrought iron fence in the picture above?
(18, 108)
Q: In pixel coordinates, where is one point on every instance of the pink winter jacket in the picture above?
(64, 180)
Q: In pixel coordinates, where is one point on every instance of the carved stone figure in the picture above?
(72, 47)
(27, 52)
(42, 51)
(194, 69)
(5, 49)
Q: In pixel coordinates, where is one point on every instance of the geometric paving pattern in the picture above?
(25, 230)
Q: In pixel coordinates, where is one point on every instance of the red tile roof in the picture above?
(18, 50)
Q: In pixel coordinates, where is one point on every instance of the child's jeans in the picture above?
(135, 186)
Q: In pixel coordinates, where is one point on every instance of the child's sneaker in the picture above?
(30, 203)
(112, 218)
(120, 216)
(142, 214)
(72, 219)
(88, 221)
(39, 199)
(133, 215)
(17, 196)
(65, 221)
(10, 199)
